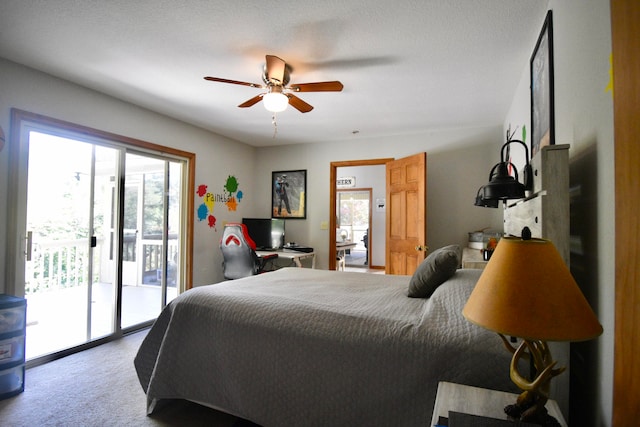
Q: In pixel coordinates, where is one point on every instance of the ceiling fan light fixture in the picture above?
(276, 78)
(275, 102)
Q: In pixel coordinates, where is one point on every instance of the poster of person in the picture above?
(289, 194)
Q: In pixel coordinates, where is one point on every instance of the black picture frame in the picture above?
(541, 72)
(289, 194)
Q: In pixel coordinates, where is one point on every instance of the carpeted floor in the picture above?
(99, 387)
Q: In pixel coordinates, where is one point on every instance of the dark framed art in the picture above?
(289, 194)
(541, 69)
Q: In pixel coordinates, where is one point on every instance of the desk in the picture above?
(472, 258)
(479, 401)
(293, 256)
(343, 247)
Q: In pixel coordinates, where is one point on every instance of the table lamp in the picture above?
(527, 291)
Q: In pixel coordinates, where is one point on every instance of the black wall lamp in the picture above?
(503, 186)
(485, 203)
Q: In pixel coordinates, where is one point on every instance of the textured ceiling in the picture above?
(408, 66)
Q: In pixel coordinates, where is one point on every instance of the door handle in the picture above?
(29, 247)
(422, 248)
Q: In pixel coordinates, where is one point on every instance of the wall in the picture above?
(217, 157)
(458, 163)
(584, 119)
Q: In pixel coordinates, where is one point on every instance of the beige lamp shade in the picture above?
(527, 291)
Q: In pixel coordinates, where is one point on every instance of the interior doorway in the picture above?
(333, 192)
(354, 226)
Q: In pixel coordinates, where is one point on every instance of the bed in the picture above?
(314, 347)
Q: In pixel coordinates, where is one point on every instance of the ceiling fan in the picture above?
(276, 78)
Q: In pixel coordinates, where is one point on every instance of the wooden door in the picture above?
(406, 213)
(625, 15)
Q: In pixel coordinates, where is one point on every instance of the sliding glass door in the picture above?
(101, 236)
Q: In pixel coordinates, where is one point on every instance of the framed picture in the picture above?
(289, 194)
(541, 69)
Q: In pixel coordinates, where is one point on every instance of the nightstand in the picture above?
(472, 258)
(479, 401)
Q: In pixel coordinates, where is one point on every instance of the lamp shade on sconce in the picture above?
(503, 186)
(527, 291)
(485, 203)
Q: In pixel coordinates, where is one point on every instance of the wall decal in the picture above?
(609, 87)
(205, 210)
(231, 186)
(231, 196)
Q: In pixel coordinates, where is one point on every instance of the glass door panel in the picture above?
(174, 216)
(147, 240)
(104, 256)
(59, 271)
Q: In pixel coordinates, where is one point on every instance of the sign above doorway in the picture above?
(346, 182)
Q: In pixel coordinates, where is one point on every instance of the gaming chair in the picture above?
(238, 252)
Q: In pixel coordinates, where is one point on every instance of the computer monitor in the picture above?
(267, 233)
(277, 233)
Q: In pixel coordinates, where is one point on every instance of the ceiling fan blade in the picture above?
(235, 82)
(275, 68)
(251, 101)
(334, 86)
(299, 104)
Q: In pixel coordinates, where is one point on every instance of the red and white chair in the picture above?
(238, 252)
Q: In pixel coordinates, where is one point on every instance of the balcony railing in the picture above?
(62, 264)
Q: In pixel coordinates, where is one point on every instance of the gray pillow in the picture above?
(437, 268)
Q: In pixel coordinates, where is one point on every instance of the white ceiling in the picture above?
(408, 66)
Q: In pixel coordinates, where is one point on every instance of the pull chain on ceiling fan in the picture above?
(276, 76)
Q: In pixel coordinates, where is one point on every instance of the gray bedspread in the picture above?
(303, 347)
